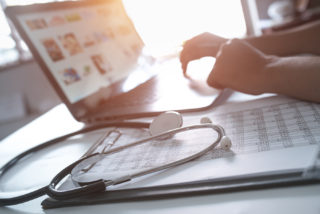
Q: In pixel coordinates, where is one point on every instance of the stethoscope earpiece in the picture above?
(225, 143)
(205, 120)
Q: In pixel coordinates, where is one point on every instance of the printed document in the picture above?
(267, 134)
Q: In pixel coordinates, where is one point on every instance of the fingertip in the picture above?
(184, 69)
(186, 76)
(214, 84)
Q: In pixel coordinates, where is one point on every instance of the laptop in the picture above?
(98, 64)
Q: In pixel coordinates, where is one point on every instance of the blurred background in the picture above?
(25, 92)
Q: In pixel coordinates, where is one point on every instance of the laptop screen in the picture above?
(86, 48)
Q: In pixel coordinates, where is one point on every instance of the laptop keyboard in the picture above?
(141, 95)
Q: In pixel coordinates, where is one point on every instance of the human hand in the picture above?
(241, 67)
(205, 44)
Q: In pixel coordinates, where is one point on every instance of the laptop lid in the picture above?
(87, 49)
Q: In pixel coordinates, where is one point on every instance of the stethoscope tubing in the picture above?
(44, 190)
(101, 185)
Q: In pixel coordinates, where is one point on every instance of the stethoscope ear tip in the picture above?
(225, 143)
(205, 120)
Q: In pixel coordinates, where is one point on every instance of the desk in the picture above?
(303, 199)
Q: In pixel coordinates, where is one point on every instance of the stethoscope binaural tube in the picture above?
(44, 190)
(101, 185)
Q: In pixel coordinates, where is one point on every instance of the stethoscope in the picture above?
(165, 125)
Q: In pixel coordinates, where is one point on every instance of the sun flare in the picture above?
(165, 24)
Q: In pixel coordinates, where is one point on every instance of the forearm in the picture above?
(300, 40)
(295, 76)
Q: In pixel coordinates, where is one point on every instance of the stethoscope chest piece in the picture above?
(164, 122)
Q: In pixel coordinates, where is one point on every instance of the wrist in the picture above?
(272, 74)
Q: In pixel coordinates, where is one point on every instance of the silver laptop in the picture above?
(98, 64)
